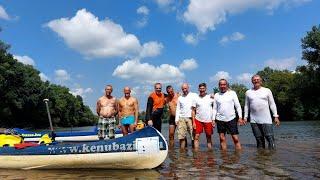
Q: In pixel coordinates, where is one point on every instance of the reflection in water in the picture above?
(79, 174)
(297, 157)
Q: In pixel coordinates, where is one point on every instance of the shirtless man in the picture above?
(107, 110)
(128, 112)
(171, 101)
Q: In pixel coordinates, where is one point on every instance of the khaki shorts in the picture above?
(184, 126)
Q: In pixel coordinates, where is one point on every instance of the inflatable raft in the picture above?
(143, 149)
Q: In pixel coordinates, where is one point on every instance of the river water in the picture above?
(297, 157)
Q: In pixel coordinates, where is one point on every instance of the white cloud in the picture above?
(3, 14)
(190, 39)
(96, 38)
(244, 78)
(143, 10)
(151, 49)
(207, 14)
(43, 77)
(81, 91)
(61, 75)
(25, 60)
(141, 90)
(220, 75)
(281, 64)
(236, 36)
(146, 73)
(188, 64)
(164, 3)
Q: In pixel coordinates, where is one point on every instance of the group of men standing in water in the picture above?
(193, 114)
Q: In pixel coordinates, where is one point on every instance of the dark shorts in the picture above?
(172, 120)
(262, 130)
(230, 127)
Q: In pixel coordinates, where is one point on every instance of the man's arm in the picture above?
(136, 110)
(149, 110)
(246, 108)
(98, 107)
(214, 108)
(193, 115)
(237, 105)
(273, 108)
(177, 112)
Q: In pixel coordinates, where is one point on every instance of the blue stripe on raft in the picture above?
(30, 134)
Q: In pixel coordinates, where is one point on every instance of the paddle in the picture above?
(53, 135)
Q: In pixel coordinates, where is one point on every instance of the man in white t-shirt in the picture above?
(183, 114)
(225, 103)
(202, 116)
(258, 103)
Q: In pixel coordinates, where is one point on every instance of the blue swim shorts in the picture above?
(128, 120)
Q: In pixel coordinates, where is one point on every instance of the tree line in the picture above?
(22, 93)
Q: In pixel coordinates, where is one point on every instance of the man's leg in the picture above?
(157, 121)
(111, 127)
(131, 128)
(232, 128)
(209, 141)
(236, 141)
(221, 128)
(124, 129)
(196, 141)
(182, 132)
(258, 134)
(223, 141)
(208, 129)
(101, 128)
(268, 132)
(190, 130)
(172, 129)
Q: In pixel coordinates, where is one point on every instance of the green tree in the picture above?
(22, 93)
(240, 89)
(307, 81)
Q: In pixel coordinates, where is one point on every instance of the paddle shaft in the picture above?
(49, 116)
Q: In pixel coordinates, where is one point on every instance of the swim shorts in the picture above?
(106, 125)
(172, 120)
(128, 120)
(206, 126)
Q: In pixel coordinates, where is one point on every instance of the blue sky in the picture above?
(85, 45)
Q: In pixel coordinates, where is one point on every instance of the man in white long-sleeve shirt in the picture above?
(258, 103)
(225, 103)
(183, 114)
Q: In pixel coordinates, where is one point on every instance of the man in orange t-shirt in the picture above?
(155, 105)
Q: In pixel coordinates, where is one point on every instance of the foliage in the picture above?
(22, 93)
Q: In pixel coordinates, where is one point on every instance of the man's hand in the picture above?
(244, 121)
(213, 123)
(240, 121)
(150, 123)
(277, 121)
(177, 123)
